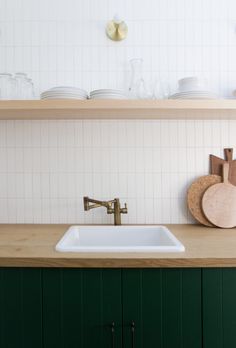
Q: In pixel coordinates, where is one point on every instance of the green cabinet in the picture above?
(165, 306)
(219, 308)
(79, 307)
(21, 308)
(150, 308)
(76, 308)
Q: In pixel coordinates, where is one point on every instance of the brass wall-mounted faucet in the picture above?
(113, 207)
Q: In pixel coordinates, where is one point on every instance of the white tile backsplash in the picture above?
(46, 167)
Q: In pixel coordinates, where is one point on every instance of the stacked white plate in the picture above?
(194, 95)
(193, 88)
(64, 93)
(108, 94)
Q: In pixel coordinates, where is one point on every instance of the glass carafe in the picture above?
(137, 87)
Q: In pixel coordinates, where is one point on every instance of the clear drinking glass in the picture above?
(161, 90)
(21, 85)
(6, 86)
(29, 89)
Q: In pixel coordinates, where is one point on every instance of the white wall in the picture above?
(46, 167)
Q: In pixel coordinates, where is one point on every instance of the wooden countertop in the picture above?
(33, 246)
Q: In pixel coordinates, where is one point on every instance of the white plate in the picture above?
(47, 95)
(66, 91)
(62, 92)
(62, 95)
(193, 94)
(78, 98)
(108, 97)
(107, 91)
(107, 94)
(64, 88)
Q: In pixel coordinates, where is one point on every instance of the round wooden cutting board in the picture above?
(195, 194)
(219, 202)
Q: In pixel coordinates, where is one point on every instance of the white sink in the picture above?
(119, 239)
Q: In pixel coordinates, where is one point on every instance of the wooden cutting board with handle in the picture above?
(219, 202)
(195, 194)
(216, 165)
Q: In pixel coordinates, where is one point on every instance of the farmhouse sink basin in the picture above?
(95, 239)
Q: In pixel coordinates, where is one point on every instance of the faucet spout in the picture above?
(95, 203)
(113, 207)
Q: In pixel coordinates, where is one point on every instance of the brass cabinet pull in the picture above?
(113, 334)
(132, 332)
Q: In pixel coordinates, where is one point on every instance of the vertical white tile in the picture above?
(47, 166)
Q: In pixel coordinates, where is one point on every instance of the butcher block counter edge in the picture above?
(27, 245)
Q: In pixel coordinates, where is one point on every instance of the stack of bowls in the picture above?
(193, 88)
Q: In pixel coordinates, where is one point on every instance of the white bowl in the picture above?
(192, 84)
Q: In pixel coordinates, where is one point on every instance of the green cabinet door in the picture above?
(219, 308)
(164, 306)
(20, 308)
(79, 307)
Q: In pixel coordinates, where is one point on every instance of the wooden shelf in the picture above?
(117, 109)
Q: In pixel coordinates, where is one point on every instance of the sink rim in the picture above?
(177, 247)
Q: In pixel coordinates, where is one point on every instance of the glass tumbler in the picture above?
(21, 85)
(29, 89)
(6, 86)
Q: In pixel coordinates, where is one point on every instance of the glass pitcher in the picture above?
(137, 86)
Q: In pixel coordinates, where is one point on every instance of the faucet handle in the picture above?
(124, 210)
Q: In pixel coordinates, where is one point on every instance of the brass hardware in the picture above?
(116, 29)
(113, 207)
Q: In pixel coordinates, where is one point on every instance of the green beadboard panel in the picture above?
(229, 307)
(21, 308)
(212, 308)
(182, 321)
(142, 302)
(219, 308)
(79, 307)
(191, 309)
(165, 305)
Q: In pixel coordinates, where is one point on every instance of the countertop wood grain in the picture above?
(34, 246)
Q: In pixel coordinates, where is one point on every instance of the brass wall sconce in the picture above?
(116, 29)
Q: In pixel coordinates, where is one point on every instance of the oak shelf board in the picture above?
(117, 109)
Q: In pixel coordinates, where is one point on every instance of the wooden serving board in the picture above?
(219, 202)
(216, 165)
(195, 194)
